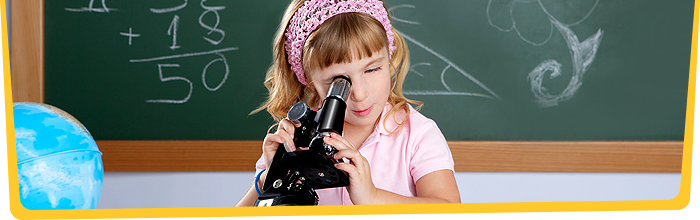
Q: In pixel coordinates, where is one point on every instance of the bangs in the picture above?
(343, 38)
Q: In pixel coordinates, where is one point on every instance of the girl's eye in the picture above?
(373, 70)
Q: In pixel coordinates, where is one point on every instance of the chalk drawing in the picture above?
(412, 69)
(582, 55)
(402, 20)
(448, 65)
(90, 8)
(514, 27)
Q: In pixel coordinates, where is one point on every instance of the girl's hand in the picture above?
(284, 135)
(362, 190)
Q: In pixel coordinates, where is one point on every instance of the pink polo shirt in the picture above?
(396, 161)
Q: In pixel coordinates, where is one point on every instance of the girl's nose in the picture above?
(358, 91)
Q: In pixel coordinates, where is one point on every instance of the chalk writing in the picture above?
(167, 79)
(204, 72)
(90, 8)
(167, 10)
(214, 28)
(172, 31)
(130, 35)
(183, 55)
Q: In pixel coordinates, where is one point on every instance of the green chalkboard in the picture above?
(486, 69)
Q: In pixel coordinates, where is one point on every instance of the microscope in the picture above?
(294, 175)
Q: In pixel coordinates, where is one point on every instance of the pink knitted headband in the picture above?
(315, 12)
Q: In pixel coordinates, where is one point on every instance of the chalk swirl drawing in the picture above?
(448, 65)
(582, 53)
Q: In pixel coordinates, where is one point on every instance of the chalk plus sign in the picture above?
(130, 35)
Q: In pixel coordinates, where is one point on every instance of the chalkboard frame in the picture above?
(27, 61)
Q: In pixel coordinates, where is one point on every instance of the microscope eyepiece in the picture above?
(340, 87)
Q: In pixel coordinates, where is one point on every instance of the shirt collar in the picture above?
(392, 121)
(379, 130)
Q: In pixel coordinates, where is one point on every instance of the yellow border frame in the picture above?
(679, 202)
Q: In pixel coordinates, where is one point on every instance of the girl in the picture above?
(395, 154)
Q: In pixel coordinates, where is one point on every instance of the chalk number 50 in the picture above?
(189, 82)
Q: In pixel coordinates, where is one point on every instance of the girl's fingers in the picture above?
(348, 168)
(285, 130)
(352, 155)
(345, 150)
(346, 142)
(338, 142)
(272, 140)
(287, 126)
(283, 136)
(270, 144)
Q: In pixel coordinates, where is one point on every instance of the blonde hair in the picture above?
(334, 41)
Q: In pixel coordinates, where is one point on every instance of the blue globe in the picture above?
(59, 164)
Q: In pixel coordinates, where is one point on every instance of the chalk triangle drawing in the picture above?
(446, 89)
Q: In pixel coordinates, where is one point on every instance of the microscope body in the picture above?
(294, 175)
